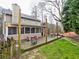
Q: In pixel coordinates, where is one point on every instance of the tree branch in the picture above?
(56, 5)
(55, 16)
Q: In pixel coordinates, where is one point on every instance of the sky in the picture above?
(25, 5)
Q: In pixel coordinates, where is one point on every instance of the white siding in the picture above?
(23, 21)
(8, 18)
(30, 22)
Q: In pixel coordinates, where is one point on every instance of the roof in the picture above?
(9, 12)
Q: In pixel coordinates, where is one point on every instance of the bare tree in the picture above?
(34, 12)
(55, 5)
(41, 7)
(53, 8)
(58, 5)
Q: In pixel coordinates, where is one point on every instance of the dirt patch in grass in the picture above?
(72, 35)
(34, 54)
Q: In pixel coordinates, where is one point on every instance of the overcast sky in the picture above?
(25, 5)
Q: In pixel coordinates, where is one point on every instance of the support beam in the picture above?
(46, 29)
(5, 28)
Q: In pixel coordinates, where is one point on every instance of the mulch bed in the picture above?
(72, 35)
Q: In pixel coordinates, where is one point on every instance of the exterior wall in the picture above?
(5, 28)
(23, 21)
(29, 22)
(25, 35)
(8, 19)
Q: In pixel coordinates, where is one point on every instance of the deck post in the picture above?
(46, 29)
(17, 19)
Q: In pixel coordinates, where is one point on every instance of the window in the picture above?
(38, 30)
(27, 30)
(12, 30)
(22, 30)
(32, 30)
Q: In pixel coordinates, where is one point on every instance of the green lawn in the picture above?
(60, 49)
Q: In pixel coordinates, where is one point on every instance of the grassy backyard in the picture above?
(60, 49)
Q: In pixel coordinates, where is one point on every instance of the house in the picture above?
(29, 25)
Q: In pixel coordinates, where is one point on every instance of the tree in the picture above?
(56, 5)
(71, 16)
(41, 6)
(37, 11)
(34, 12)
(55, 8)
